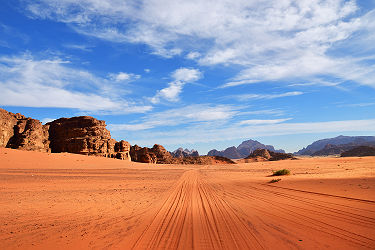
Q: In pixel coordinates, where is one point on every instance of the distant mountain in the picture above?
(181, 153)
(336, 145)
(330, 149)
(359, 151)
(243, 150)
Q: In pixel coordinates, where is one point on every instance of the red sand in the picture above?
(65, 201)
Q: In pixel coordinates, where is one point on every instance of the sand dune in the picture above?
(65, 201)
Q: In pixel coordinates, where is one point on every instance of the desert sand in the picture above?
(66, 201)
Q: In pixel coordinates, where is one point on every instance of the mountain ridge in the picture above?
(317, 147)
(243, 150)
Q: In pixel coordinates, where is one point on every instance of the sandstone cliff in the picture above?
(85, 135)
(20, 132)
(79, 135)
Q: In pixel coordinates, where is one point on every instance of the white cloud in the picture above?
(355, 105)
(78, 47)
(147, 70)
(186, 75)
(124, 77)
(259, 122)
(271, 40)
(274, 112)
(266, 96)
(197, 113)
(180, 77)
(46, 120)
(29, 82)
(193, 55)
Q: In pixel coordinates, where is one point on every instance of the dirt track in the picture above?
(186, 207)
(199, 215)
(194, 216)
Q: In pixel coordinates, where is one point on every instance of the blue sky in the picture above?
(196, 74)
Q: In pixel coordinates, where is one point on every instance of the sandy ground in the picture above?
(65, 201)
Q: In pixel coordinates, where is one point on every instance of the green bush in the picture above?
(275, 180)
(281, 172)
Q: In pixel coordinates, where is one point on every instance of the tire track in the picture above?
(301, 211)
(194, 216)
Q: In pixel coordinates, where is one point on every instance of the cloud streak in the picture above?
(29, 82)
(192, 114)
(267, 96)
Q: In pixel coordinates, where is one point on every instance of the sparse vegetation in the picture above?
(275, 180)
(281, 172)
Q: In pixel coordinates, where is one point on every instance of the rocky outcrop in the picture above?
(359, 151)
(266, 155)
(162, 155)
(85, 135)
(20, 132)
(181, 153)
(156, 154)
(7, 122)
(122, 149)
(79, 135)
(243, 150)
(143, 155)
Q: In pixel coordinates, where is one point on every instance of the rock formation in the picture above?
(156, 154)
(266, 155)
(20, 132)
(79, 135)
(140, 154)
(85, 135)
(122, 149)
(359, 151)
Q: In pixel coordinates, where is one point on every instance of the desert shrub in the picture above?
(275, 180)
(281, 172)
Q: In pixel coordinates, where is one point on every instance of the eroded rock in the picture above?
(85, 135)
(20, 132)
